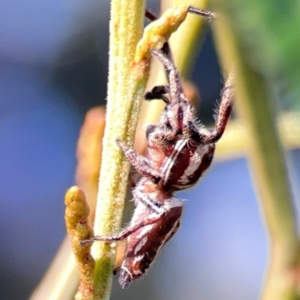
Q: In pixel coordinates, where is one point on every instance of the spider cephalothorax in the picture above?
(179, 150)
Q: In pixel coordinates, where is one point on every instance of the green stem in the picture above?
(123, 100)
(255, 106)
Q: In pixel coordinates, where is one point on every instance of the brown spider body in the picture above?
(182, 162)
(145, 243)
(178, 153)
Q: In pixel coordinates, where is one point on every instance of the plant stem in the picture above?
(123, 100)
(255, 106)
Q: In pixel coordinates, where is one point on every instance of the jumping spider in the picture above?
(179, 150)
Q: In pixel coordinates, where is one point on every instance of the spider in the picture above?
(179, 151)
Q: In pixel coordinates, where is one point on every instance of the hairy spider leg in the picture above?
(179, 112)
(159, 212)
(158, 92)
(201, 12)
(172, 72)
(204, 136)
(126, 232)
(191, 9)
(143, 166)
(139, 162)
(174, 111)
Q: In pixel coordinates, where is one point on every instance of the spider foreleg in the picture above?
(127, 231)
(204, 136)
(174, 111)
(201, 12)
(172, 72)
(139, 162)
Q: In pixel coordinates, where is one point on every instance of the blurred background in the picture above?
(53, 69)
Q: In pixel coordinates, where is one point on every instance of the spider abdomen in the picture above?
(144, 244)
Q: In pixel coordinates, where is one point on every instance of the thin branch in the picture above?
(255, 106)
(123, 100)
